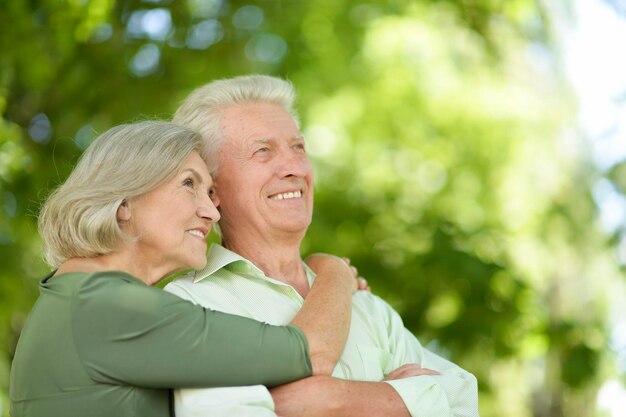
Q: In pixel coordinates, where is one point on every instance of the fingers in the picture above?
(315, 259)
(362, 284)
(409, 370)
(355, 272)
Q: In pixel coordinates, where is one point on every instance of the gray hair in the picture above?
(201, 110)
(79, 219)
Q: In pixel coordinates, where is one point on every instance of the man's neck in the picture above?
(278, 260)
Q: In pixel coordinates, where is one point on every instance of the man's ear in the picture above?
(123, 211)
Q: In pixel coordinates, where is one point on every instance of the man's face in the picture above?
(265, 182)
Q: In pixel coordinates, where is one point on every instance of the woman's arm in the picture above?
(126, 332)
(326, 313)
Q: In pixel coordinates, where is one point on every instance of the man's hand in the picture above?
(408, 370)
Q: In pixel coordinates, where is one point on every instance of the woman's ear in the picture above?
(123, 211)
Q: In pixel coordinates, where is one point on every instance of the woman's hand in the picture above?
(360, 281)
(333, 266)
(362, 284)
(324, 262)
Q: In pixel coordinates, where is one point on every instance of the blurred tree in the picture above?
(444, 164)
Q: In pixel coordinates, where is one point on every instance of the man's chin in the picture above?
(295, 227)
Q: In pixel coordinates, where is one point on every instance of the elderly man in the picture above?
(264, 192)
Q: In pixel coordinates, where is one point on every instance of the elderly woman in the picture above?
(100, 341)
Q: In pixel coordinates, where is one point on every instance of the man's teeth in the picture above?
(285, 196)
(197, 233)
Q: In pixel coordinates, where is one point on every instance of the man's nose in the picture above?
(293, 164)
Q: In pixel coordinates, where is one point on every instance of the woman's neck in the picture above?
(111, 262)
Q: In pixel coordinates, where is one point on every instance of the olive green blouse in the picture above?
(106, 344)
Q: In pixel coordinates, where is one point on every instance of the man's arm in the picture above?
(409, 389)
(248, 401)
(322, 396)
(458, 387)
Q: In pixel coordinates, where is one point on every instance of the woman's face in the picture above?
(172, 221)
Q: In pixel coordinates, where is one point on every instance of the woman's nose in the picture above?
(207, 209)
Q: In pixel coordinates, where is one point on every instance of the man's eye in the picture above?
(261, 151)
(299, 146)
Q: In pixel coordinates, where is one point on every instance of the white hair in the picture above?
(79, 219)
(201, 110)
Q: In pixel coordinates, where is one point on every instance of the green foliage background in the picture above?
(448, 164)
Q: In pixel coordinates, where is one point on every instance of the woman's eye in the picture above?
(189, 182)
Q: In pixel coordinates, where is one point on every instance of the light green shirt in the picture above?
(377, 344)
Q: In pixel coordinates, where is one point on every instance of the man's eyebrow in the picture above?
(299, 136)
(263, 140)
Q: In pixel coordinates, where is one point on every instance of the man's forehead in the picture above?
(248, 141)
(268, 139)
(257, 119)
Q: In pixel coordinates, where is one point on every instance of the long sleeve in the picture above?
(248, 401)
(126, 332)
(378, 343)
(453, 393)
(243, 401)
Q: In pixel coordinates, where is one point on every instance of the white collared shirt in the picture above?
(377, 344)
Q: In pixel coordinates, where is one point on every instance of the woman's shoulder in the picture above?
(109, 288)
(116, 294)
(78, 277)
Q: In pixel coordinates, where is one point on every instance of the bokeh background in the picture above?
(469, 159)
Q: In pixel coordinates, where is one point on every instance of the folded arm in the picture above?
(417, 383)
(322, 396)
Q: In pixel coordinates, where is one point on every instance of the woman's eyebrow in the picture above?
(194, 173)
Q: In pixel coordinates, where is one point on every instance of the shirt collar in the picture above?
(219, 257)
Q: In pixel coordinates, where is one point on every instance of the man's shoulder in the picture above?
(367, 297)
(182, 286)
(183, 280)
(220, 290)
(372, 304)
